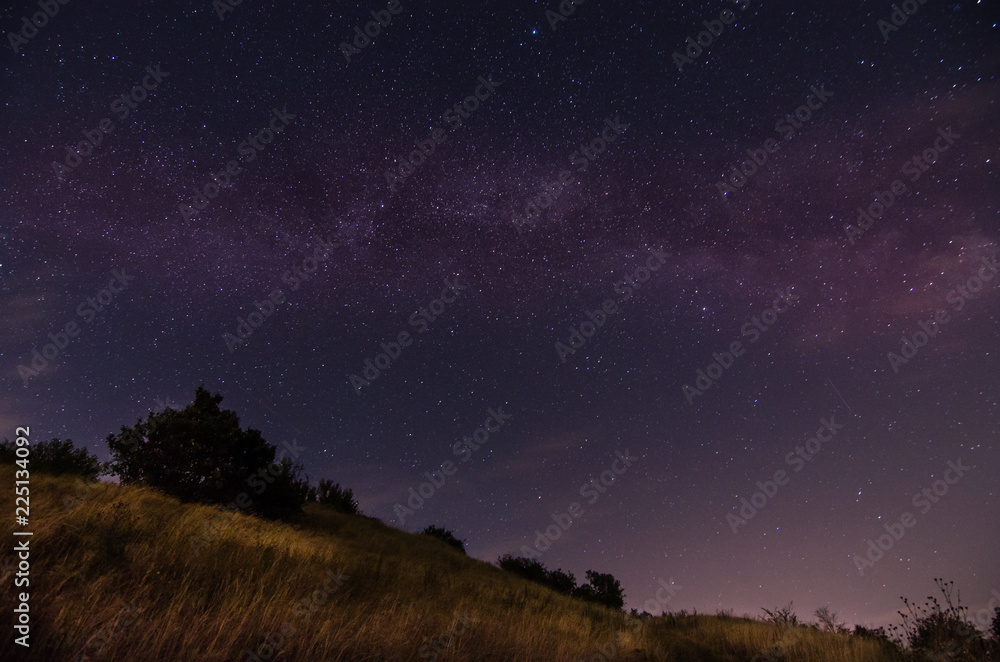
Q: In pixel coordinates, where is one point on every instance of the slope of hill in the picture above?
(130, 574)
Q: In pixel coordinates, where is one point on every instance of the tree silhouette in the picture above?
(200, 454)
(607, 590)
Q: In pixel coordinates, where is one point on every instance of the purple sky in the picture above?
(834, 112)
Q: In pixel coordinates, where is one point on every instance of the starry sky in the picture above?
(602, 143)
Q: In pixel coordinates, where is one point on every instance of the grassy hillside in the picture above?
(116, 577)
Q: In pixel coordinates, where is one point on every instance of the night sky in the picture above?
(591, 181)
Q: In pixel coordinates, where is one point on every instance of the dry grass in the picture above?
(132, 545)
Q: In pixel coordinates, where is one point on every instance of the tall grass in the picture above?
(116, 578)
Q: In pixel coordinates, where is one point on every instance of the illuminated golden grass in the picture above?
(124, 545)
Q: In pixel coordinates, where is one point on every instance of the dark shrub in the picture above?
(607, 590)
(54, 457)
(603, 588)
(445, 536)
(331, 494)
(941, 631)
(563, 582)
(781, 615)
(871, 633)
(529, 569)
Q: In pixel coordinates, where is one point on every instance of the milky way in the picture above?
(435, 242)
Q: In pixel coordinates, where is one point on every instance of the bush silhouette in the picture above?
(602, 589)
(529, 569)
(877, 634)
(936, 631)
(781, 615)
(331, 494)
(564, 582)
(606, 589)
(828, 621)
(446, 536)
(54, 457)
(200, 454)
